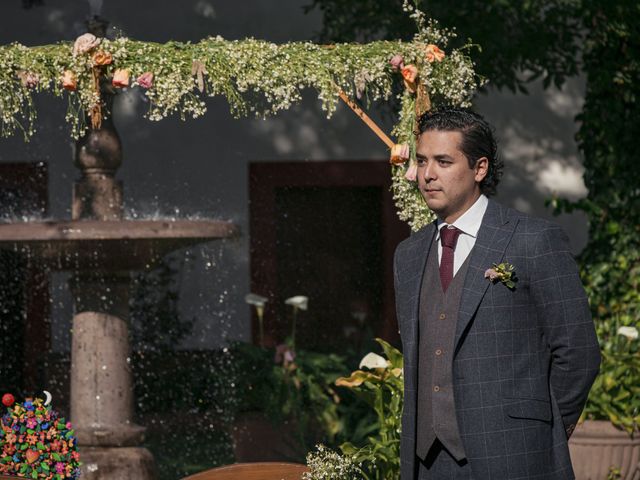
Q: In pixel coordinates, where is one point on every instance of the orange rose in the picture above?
(102, 58)
(434, 54)
(120, 78)
(69, 81)
(410, 73)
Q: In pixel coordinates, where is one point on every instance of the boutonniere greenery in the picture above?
(502, 272)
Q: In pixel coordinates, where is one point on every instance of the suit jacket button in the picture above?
(442, 316)
(436, 388)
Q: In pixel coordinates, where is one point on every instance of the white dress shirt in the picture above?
(469, 224)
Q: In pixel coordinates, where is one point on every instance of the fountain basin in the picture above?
(113, 245)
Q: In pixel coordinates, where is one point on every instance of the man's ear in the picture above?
(481, 169)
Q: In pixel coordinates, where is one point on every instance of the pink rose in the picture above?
(397, 62)
(491, 274)
(145, 80)
(85, 43)
(28, 79)
(412, 172)
(120, 78)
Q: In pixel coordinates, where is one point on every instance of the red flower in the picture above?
(8, 400)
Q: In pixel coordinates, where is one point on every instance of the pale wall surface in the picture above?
(199, 168)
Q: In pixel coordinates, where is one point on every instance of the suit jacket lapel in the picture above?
(493, 237)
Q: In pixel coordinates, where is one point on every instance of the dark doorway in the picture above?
(326, 230)
(24, 288)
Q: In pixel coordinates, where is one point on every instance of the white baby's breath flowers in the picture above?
(326, 464)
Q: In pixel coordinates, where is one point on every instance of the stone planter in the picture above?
(596, 445)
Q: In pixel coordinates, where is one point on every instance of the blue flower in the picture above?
(45, 425)
(16, 458)
(29, 405)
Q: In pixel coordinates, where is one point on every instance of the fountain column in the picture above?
(102, 400)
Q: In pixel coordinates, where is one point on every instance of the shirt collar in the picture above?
(469, 222)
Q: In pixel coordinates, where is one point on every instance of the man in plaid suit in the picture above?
(499, 347)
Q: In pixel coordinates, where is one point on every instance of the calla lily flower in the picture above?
(255, 300)
(630, 332)
(299, 302)
(373, 360)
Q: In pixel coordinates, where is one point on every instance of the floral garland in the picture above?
(255, 76)
(35, 442)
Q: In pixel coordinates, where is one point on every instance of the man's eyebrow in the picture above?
(435, 157)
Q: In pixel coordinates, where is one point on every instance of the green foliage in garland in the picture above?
(255, 76)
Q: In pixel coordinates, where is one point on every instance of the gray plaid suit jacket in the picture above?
(524, 359)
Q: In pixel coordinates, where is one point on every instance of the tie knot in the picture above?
(449, 236)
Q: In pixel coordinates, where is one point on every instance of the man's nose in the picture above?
(428, 173)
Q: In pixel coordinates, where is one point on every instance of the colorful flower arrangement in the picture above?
(256, 77)
(36, 442)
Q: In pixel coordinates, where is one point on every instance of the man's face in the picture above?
(445, 180)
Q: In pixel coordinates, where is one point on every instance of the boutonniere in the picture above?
(503, 272)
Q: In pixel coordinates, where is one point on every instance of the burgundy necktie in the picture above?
(448, 238)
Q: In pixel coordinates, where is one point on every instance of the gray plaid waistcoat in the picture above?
(436, 414)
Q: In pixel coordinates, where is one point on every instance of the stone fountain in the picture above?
(100, 248)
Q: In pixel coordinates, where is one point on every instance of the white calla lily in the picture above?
(373, 360)
(255, 300)
(630, 332)
(299, 301)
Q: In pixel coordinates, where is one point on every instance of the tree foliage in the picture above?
(524, 40)
(541, 39)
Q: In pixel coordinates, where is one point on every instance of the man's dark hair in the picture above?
(477, 139)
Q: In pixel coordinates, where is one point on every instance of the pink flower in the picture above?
(399, 153)
(412, 172)
(121, 78)
(145, 80)
(397, 62)
(284, 354)
(31, 423)
(84, 43)
(60, 468)
(28, 79)
(491, 274)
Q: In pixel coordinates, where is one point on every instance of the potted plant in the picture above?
(286, 397)
(608, 438)
(379, 383)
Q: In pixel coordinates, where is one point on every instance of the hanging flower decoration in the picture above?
(101, 58)
(256, 77)
(145, 80)
(433, 53)
(69, 81)
(85, 43)
(35, 442)
(121, 78)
